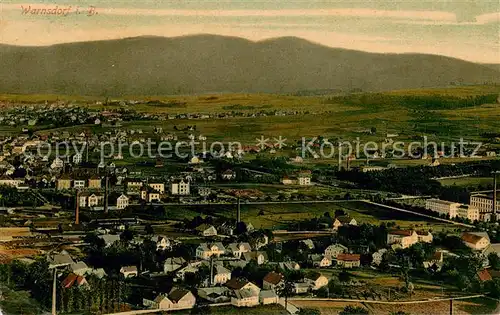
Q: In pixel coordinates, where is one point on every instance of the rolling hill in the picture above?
(209, 63)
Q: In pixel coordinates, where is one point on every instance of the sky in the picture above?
(465, 29)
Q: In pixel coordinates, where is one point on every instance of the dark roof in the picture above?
(236, 283)
(177, 294)
(273, 278)
(344, 219)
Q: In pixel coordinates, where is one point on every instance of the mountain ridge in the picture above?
(211, 63)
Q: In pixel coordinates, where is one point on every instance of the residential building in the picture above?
(316, 280)
(176, 299)
(484, 203)
(149, 194)
(259, 256)
(95, 200)
(405, 238)
(207, 250)
(173, 264)
(109, 239)
(215, 294)
(206, 230)
(335, 249)
(64, 182)
(348, 260)
(342, 221)
(424, 237)
(476, 240)
(79, 183)
(272, 281)
(180, 187)
(237, 249)
(221, 274)
(128, 271)
(244, 293)
(122, 202)
(182, 298)
(267, 297)
(304, 178)
(228, 175)
(159, 187)
(94, 182)
(321, 261)
(8, 181)
(162, 243)
(74, 280)
(79, 268)
(133, 186)
(448, 208)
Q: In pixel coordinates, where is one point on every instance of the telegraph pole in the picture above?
(54, 294)
(106, 193)
(77, 210)
(494, 209)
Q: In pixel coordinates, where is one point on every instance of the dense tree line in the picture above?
(423, 102)
(419, 180)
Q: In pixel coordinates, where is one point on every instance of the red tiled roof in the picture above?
(484, 275)
(348, 257)
(401, 232)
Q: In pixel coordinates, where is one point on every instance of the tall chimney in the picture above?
(77, 211)
(106, 194)
(211, 271)
(495, 195)
(238, 213)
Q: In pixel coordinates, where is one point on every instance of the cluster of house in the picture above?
(78, 270)
(60, 113)
(480, 207)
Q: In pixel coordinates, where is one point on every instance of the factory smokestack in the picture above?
(495, 195)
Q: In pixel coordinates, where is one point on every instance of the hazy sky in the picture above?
(467, 29)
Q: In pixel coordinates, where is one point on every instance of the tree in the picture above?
(344, 276)
(201, 309)
(494, 261)
(286, 290)
(353, 310)
(309, 311)
(149, 229)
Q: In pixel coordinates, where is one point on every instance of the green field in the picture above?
(408, 113)
(229, 310)
(279, 216)
(467, 181)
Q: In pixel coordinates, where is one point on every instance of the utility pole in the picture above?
(77, 210)
(54, 294)
(494, 209)
(106, 193)
(211, 270)
(238, 213)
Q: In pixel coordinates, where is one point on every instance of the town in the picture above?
(260, 227)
